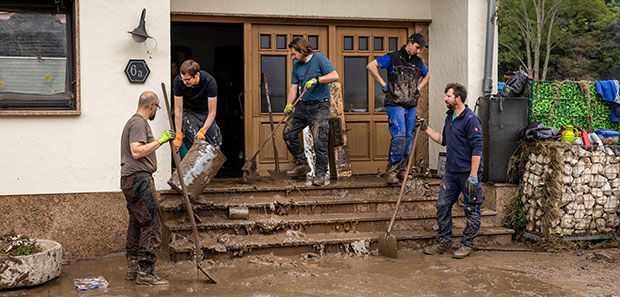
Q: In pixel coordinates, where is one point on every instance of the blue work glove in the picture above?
(472, 184)
(384, 88)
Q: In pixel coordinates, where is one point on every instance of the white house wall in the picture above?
(65, 154)
(457, 41)
(392, 9)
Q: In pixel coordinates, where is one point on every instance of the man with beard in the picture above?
(314, 72)
(407, 75)
(138, 162)
(462, 137)
(195, 106)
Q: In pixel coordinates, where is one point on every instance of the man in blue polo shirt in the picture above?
(314, 72)
(407, 75)
(462, 137)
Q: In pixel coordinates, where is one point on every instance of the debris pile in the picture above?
(568, 190)
(12, 244)
(418, 186)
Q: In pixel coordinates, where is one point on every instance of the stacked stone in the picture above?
(590, 187)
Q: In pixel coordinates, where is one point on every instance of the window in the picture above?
(363, 43)
(265, 41)
(379, 43)
(355, 84)
(274, 68)
(37, 66)
(314, 41)
(393, 43)
(280, 41)
(348, 43)
(298, 36)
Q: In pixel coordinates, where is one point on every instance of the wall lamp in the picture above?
(139, 33)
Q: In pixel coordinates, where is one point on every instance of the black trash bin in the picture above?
(502, 117)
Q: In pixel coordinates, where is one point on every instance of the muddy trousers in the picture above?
(453, 185)
(316, 115)
(401, 125)
(144, 230)
(192, 122)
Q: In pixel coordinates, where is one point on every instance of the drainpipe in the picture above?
(487, 82)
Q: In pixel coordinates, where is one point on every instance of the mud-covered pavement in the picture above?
(486, 273)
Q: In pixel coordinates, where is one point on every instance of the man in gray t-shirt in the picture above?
(138, 162)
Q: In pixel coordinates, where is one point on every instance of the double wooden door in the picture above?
(349, 49)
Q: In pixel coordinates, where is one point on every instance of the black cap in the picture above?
(418, 38)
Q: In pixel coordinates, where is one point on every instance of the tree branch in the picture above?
(514, 53)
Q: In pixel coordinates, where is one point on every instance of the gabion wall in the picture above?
(584, 193)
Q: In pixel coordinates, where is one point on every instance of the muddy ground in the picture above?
(486, 273)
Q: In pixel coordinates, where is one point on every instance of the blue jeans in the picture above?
(401, 125)
(452, 185)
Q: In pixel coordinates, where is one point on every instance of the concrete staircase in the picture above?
(287, 217)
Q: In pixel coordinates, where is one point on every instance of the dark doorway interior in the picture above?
(218, 48)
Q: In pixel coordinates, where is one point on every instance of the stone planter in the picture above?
(30, 270)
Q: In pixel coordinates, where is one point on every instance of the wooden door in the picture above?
(367, 122)
(269, 54)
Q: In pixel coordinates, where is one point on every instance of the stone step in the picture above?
(363, 185)
(323, 223)
(295, 243)
(174, 208)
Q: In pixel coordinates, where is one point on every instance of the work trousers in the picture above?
(192, 122)
(453, 185)
(144, 230)
(315, 115)
(401, 125)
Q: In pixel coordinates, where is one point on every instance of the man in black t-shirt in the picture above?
(195, 106)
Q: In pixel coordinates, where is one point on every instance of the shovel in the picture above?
(188, 205)
(388, 247)
(274, 173)
(250, 165)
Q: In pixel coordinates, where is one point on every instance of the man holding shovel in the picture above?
(138, 162)
(195, 106)
(314, 72)
(462, 137)
(407, 75)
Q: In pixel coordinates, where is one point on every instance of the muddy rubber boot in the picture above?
(462, 252)
(133, 267)
(320, 179)
(392, 178)
(300, 169)
(437, 248)
(150, 279)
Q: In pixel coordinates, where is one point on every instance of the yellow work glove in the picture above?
(311, 83)
(201, 134)
(178, 141)
(288, 109)
(168, 134)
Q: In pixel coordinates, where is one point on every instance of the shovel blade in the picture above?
(248, 165)
(388, 247)
(277, 175)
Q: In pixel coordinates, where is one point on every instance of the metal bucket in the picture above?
(201, 163)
